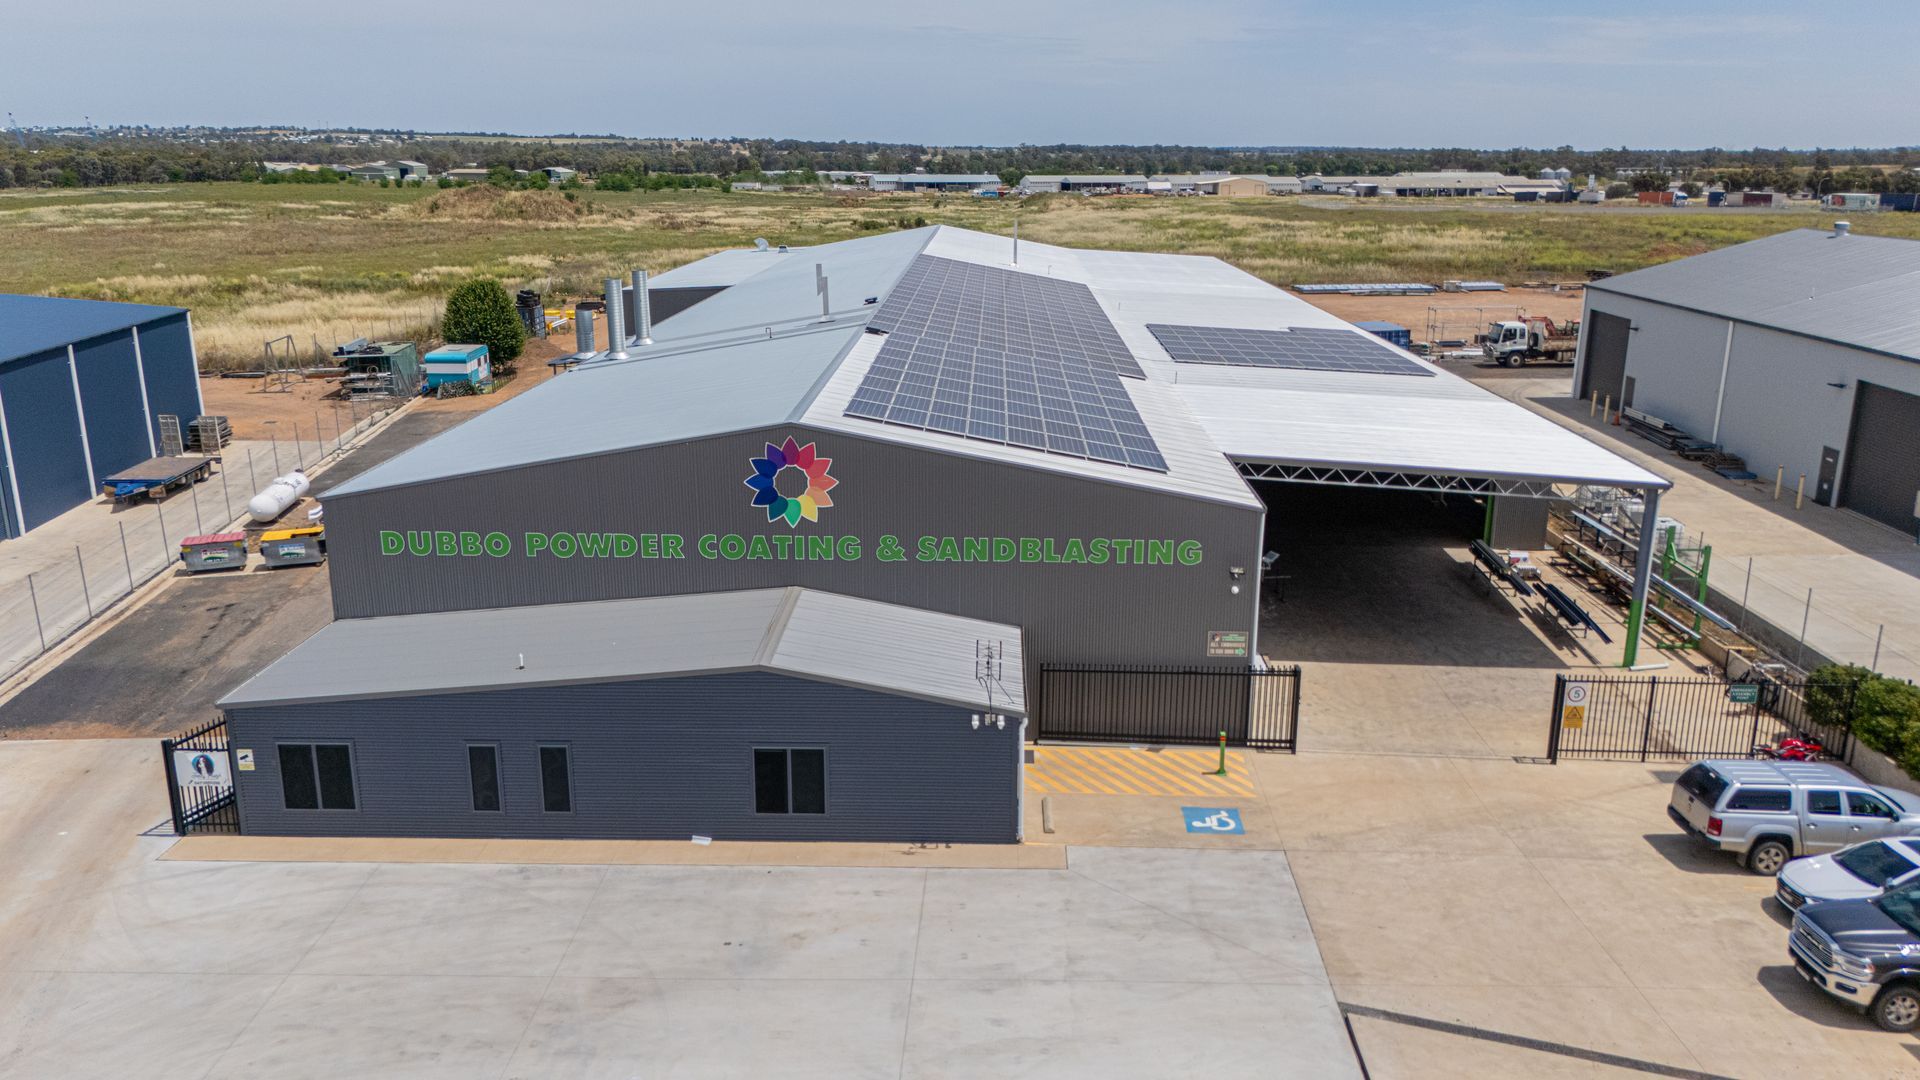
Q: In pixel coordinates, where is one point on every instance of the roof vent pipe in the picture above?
(582, 331)
(616, 322)
(642, 310)
(1842, 228)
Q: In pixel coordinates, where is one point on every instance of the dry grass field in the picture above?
(329, 263)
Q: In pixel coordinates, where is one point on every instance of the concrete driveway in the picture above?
(1128, 963)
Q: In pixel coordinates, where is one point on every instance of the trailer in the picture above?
(157, 476)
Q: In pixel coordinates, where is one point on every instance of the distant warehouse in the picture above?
(82, 385)
(1798, 351)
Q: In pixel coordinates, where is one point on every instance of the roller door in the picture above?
(1882, 474)
(1605, 370)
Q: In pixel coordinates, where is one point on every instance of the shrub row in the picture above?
(1885, 712)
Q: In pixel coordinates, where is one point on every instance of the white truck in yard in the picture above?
(1531, 338)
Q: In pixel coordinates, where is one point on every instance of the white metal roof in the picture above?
(715, 369)
(804, 633)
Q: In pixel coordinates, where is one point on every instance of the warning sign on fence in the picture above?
(1573, 706)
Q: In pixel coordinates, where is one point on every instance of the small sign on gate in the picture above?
(201, 769)
(1573, 706)
(1744, 693)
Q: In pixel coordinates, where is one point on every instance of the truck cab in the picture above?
(1508, 343)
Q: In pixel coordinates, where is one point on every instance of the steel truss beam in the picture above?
(1406, 481)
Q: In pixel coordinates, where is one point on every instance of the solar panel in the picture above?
(1309, 348)
(1004, 357)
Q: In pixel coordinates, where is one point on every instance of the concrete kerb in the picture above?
(126, 603)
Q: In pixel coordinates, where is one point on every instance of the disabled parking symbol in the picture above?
(1222, 821)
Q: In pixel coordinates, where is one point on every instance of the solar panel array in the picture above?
(1005, 357)
(1309, 348)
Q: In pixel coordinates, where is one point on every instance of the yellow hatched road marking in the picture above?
(1086, 770)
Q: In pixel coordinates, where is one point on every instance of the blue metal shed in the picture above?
(1391, 332)
(81, 385)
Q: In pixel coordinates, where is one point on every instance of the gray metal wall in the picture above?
(1071, 612)
(657, 759)
(1779, 406)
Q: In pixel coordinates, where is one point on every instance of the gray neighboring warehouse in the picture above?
(1798, 351)
(780, 573)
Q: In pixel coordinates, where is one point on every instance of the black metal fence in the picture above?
(199, 767)
(1255, 707)
(1653, 717)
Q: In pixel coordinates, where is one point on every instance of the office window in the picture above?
(790, 781)
(556, 779)
(316, 777)
(483, 769)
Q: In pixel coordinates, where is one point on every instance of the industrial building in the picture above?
(962, 183)
(83, 384)
(1092, 183)
(785, 565)
(1799, 352)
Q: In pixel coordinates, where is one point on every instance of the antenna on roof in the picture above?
(989, 665)
(820, 286)
(1016, 238)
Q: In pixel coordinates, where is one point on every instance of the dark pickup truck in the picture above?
(1864, 952)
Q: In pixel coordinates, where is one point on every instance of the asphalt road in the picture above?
(159, 670)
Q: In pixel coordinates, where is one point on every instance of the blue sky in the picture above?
(1218, 72)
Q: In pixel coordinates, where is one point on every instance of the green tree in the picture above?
(479, 312)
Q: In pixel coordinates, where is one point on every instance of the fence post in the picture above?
(1553, 723)
(252, 477)
(1646, 734)
(173, 786)
(85, 593)
(33, 594)
(226, 493)
(166, 549)
(1293, 715)
(127, 554)
(193, 492)
(1800, 647)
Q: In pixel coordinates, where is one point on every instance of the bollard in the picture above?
(1046, 813)
(1799, 489)
(1593, 404)
(1222, 770)
(1606, 409)
(1779, 477)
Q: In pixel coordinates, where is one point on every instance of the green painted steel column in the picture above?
(1642, 573)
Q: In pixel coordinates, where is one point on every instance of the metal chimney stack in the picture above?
(616, 322)
(582, 332)
(642, 310)
(1842, 228)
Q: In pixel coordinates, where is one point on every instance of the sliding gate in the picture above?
(1252, 707)
(1663, 717)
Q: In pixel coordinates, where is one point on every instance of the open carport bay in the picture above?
(1406, 647)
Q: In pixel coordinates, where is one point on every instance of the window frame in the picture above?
(499, 787)
(1839, 802)
(312, 746)
(539, 757)
(1785, 796)
(1892, 813)
(786, 752)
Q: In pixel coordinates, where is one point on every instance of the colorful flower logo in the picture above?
(785, 466)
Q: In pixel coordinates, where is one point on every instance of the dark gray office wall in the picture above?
(1071, 612)
(655, 759)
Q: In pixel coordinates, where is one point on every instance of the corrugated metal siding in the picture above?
(664, 759)
(173, 383)
(110, 400)
(44, 427)
(1070, 612)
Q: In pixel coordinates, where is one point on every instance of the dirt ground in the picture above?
(1451, 316)
(248, 404)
